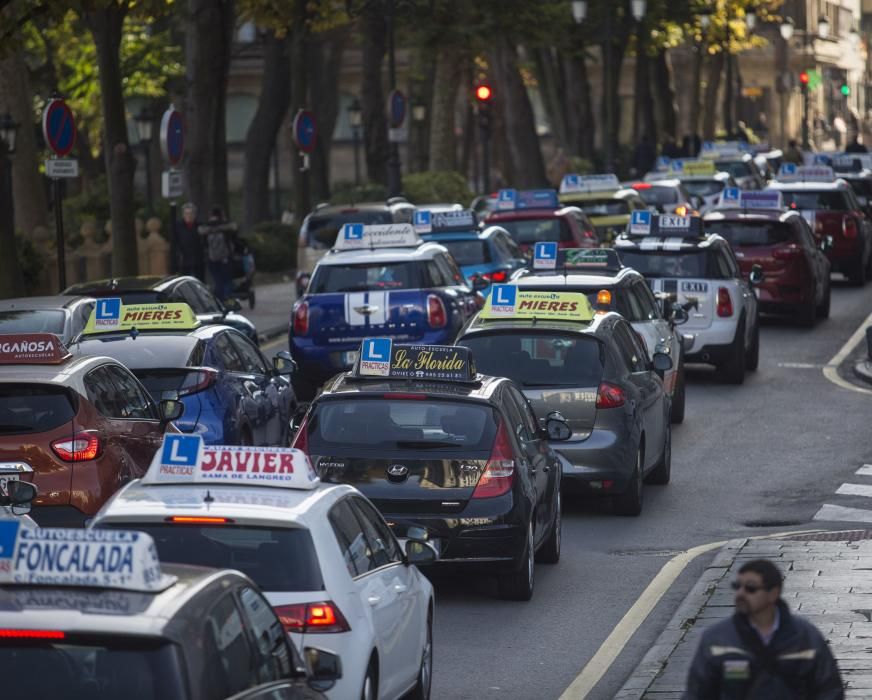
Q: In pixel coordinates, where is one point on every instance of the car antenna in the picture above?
(208, 497)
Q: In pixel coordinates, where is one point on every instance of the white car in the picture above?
(323, 556)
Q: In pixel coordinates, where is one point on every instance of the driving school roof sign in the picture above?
(734, 198)
(444, 221)
(110, 315)
(379, 357)
(358, 236)
(184, 459)
(32, 349)
(790, 172)
(665, 225)
(507, 301)
(692, 168)
(574, 183)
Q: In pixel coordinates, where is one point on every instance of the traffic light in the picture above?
(803, 82)
(483, 96)
(845, 89)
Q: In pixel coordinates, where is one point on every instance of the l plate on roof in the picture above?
(509, 302)
(358, 236)
(602, 182)
(380, 358)
(111, 316)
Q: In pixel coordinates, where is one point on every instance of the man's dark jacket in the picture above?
(732, 663)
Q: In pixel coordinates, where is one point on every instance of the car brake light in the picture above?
(301, 439)
(588, 233)
(436, 315)
(498, 276)
(304, 618)
(32, 634)
(197, 381)
(787, 252)
(609, 396)
(849, 227)
(499, 474)
(725, 303)
(198, 520)
(818, 226)
(81, 448)
(301, 318)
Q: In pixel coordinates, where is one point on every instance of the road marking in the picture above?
(830, 371)
(614, 644)
(799, 365)
(843, 514)
(865, 470)
(855, 490)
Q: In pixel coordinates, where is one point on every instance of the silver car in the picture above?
(65, 316)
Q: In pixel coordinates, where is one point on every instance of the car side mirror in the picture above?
(324, 668)
(418, 548)
(231, 304)
(19, 495)
(284, 364)
(556, 427)
(756, 275)
(171, 407)
(678, 314)
(662, 362)
(827, 243)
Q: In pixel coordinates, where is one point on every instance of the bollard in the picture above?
(869, 343)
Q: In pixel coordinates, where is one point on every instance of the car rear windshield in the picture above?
(747, 233)
(279, 560)
(366, 277)
(529, 231)
(693, 264)
(157, 381)
(862, 187)
(321, 231)
(538, 358)
(826, 200)
(34, 408)
(703, 188)
(91, 667)
(468, 252)
(401, 425)
(32, 321)
(659, 195)
(736, 168)
(605, 207)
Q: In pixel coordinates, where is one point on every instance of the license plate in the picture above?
(694, 287)
(5, 479)
(349, 358)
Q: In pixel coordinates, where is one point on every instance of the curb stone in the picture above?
(657, 657)
(863, 370)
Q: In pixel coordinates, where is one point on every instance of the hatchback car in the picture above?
(607, 204)
(666, 197)
(62, 315)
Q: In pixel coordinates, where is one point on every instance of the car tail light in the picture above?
(436, 315)
(787, 252)
(198, 520)
(497, 276)
(306, 618)
(301, 439)
(818, 226)
(725, 303)
(301, 318)
(32, 634)
(198, 380)
(610, 396)
(849, 227)
(499, 473)
(681, 210)
(590, 233)
(81, 448)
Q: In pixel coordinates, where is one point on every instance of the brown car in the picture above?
(78, 427)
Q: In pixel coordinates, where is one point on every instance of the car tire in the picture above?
(661, 473)
(369, 690)
(858, 274)
(807, 315)
(824, 308)
(752, 357)
(550, 551)
(518, 585)
(421, 691)
(733, 369)
(252, 300)
(630, 501)
(676, 412)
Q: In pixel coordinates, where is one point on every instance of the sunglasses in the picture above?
(749, 587)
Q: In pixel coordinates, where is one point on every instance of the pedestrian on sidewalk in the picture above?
(763, 652)
(219, 235)
(189, 243)
(793, 154)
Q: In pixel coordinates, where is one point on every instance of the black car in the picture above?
(175, 288)
(435, 445)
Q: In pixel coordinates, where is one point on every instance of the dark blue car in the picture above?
(490, 255)
(232, 395)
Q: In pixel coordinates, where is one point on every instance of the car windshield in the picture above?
(736, 168)
(703, 188)
(538, 358)
(468, 252)
(605, 207)
(824, 200)
(862, 187)
(659, 195)
(692, 264)
(751, 233)
(529, 231)
(32, 321)
(401, 424)
(34, 408)
(277, 559)
(321, 231)
(366, 277)
(91, 667)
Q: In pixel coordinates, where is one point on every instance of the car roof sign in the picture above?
(111, 316)
(360, 237)
(185, 459)
(507, 301)
(644, 223)
(602, 182)
(545, 255)
(590, 258)
(381, 357)
(723, 149)
(662, 163)
(690, 167)
(538, 199)
(852, 162)
(116, 559)
(790, 172)
(32, 349)
(506, 199)
(734, 198)
(453, 221)
(422, 220)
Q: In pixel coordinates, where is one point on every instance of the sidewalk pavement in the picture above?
(827, 581)
(272, 309)
(863, 370)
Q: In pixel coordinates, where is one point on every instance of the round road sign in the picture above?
(172, 136)
(59, 127)
(396, 109)
(305, 131)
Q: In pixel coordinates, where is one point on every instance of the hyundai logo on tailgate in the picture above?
(398, 472)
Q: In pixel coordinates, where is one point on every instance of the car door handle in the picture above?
(400, 587)
(374, 600)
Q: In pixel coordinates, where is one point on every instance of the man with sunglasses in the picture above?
(763, 652)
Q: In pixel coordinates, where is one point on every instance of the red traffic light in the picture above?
(483, 93)
(803, 78)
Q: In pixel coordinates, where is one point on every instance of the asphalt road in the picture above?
(748, 460)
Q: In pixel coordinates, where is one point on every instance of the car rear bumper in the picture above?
(712, 341)
(59, 516)
(607, 455)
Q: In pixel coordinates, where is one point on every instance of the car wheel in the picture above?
(807, 315)
(676, 413)
(733, 369)
(824, 309)
(550, 552)
(518, 585)
(630, 502)
(421, 691)
(752, 358)
(369, 691)
(252, 300)
(858, 274)
(661, 473)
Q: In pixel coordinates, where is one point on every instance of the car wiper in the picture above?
(15, 428)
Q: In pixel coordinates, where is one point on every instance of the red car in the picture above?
(537, 215)
(833, 211)
(796, 273)
(77, 427)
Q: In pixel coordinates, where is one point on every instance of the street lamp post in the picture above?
(419, 115)
(8, 135)
(395, 185)
(823, 32)
(355, 119)
(786, 30)
(144, 128)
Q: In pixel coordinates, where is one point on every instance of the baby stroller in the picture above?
(243, 272)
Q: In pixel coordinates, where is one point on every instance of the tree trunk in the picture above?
(423, 76)
(11, 280)
(260, 141)
(710, 100)
(612, 82)
(696, 87)
(644, 122)
(579, 107)
(372, 97)
(665, 95)
(524, 157)
(29, 193)
(552, 88)
(105, 26)
(443, 143)
(207, 50)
